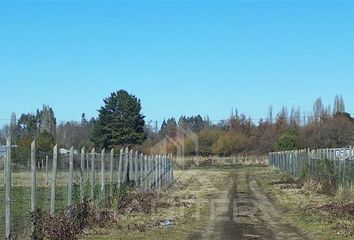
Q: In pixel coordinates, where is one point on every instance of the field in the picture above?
(21, 198)
(210, 202)
(250, 202)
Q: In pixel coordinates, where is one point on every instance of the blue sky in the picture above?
(178, 57)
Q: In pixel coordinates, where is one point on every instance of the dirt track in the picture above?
(243, 211)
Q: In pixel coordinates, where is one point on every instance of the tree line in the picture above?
(120, 122)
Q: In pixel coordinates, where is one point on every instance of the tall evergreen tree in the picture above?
(119, 122)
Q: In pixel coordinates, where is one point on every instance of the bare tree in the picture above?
(339, 106)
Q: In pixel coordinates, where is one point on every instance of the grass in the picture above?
(297, 202)
(194, 187)
(21, 197)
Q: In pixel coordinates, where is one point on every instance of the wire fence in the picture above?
(337, 163)
(57, 181)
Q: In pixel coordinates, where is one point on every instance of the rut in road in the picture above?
(243, 211)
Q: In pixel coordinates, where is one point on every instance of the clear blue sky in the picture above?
(178, 57)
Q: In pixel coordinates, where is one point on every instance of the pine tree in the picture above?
(119, 122)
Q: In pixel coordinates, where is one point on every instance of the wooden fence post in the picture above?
(33, 176)
(70, 178)
(7, 170)
(54, 179)
(103, 173)
(111, 172)
(82, 172)
(93, 174)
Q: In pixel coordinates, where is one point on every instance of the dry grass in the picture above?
(186, 204)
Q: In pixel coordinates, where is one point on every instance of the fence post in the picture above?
(126, 165)
(111, 172)
(46, 170)
(146, 172)
(120, 164)
(168, 169)
(136, 168)
(54, 179)
(33, 176)
(163, 177)
(87, 172)
(93, 174)
(7, 170)
(148, 175)
(131, 169)
(141, 170)
(156, 171)
(102, 173)
(82, 171)
(171, 168)
(70, 177)
(159, 172)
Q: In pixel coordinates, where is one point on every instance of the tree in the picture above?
(47, 121)
(45, 142)
(119, 122)
(28, 124)
(339, 106)
(287, 141)
(207, 137)
(229, 143)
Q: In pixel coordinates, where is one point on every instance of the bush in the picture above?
(287, 141)
(323, 176)
(61, 226)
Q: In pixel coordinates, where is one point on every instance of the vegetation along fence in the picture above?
(205, 161)
(332, 164)
(56, 182)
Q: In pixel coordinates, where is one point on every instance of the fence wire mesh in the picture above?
(76, 176)
(336, 163)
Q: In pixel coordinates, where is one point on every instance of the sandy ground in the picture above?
(243, 211)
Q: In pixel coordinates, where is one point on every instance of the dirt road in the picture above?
(243, 211)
